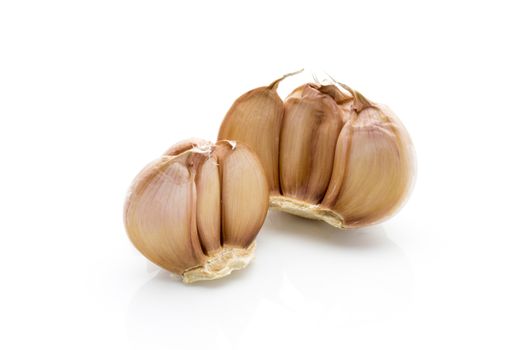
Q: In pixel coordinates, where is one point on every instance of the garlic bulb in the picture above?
(197, 210)
(329, 153)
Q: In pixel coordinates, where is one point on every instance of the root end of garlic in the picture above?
(221, 264)
(306, 210)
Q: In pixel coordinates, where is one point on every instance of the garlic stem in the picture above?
(274, 85)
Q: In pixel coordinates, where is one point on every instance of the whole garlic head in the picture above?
(197, 210)
(330, 153)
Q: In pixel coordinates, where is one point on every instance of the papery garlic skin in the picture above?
(197, 210)
(342, 158)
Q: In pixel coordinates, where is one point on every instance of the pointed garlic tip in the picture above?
(195, 213)
(360, 102)
(186, 145)
(233, 144)
(275, 84)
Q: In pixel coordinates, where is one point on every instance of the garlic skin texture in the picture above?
(341, 158)
(197, 210)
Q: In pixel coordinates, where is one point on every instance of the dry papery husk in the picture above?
(197, 210)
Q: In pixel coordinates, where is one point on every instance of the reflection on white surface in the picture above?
(306, 275)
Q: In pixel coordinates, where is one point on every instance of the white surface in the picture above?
(90, 91)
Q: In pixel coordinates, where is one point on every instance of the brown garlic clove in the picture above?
(377, 171)
(255, 119)
(208, 209)
(311, 123)
(377, 156)
(178, 205)
(245, 194)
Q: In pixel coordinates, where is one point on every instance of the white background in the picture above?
(91, 91)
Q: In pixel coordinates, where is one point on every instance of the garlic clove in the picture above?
(341, 157)
(159, 215)
(372, 168)
(244, 193)
(255, 118)
(340, 97)
(311, 124)
(209, 205)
